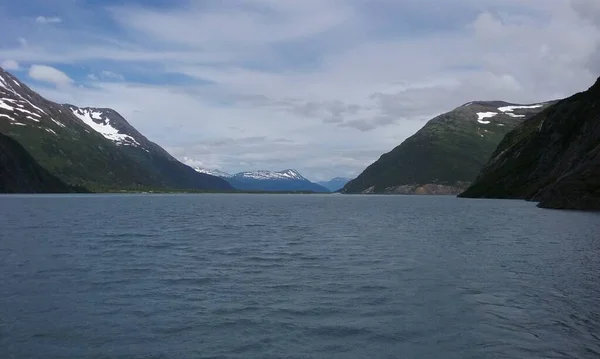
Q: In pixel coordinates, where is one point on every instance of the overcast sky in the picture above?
(323, 86)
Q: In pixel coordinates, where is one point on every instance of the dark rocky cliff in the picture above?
(552, 158)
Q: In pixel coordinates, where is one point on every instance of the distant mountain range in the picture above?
(335, 184)
(547, 152)
(270, 181)
(552, 158)
(92, 148)
(446, 155)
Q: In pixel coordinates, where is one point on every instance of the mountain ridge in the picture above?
(266, 180)
(552, 158)
(91, 147)
(447, 153)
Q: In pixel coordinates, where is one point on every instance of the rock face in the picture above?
(95, 148)
(447, 153)
(20, 173)
(552, 158)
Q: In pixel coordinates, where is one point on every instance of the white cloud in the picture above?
(10, 65)
(245, 23)
(49, 74)
(343, 81)
(48, 20)
(106, 75)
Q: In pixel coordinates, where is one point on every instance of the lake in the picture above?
(295, 276)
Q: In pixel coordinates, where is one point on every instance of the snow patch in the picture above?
(29, 112)
(506, 109)
(31, 118)
(4, 84)
(51, 131)
(6, 107)
(482, 115)
(7, 116)
(18, 124)
(60, 124)
(104, 128)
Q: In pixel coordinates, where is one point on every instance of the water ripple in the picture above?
(214, 276)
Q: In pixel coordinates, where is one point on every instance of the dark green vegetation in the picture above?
(444, 156)
(78, 155)
(20, 173)
(553, 158)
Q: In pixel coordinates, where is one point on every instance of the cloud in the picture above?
(342, 81)
(106, 75)
(44, 20)
(50, 75)
(10, 65)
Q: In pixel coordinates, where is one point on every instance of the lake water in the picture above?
(296, 276)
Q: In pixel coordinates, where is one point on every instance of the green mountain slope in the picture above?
(446, 154)
(20, 173)
(89, 147)
(553, 158)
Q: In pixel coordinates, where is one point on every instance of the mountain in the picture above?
(269, 181)
(212, 172)
(335, 184)
(446, 154)
(552, 158)
(94, 148)
(20, 173)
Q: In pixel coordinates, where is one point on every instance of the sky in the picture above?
(322, 86)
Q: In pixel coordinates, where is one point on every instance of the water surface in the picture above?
(296, 276)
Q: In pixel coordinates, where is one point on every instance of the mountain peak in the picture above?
(95, 148)
(291, 173)
(100, 121)
(447, 153)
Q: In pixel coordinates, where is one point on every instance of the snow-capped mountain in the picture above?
(95, 148)
(100, 121)
(263, 180)
(446, 154)
(288, 174)
(212, 172)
